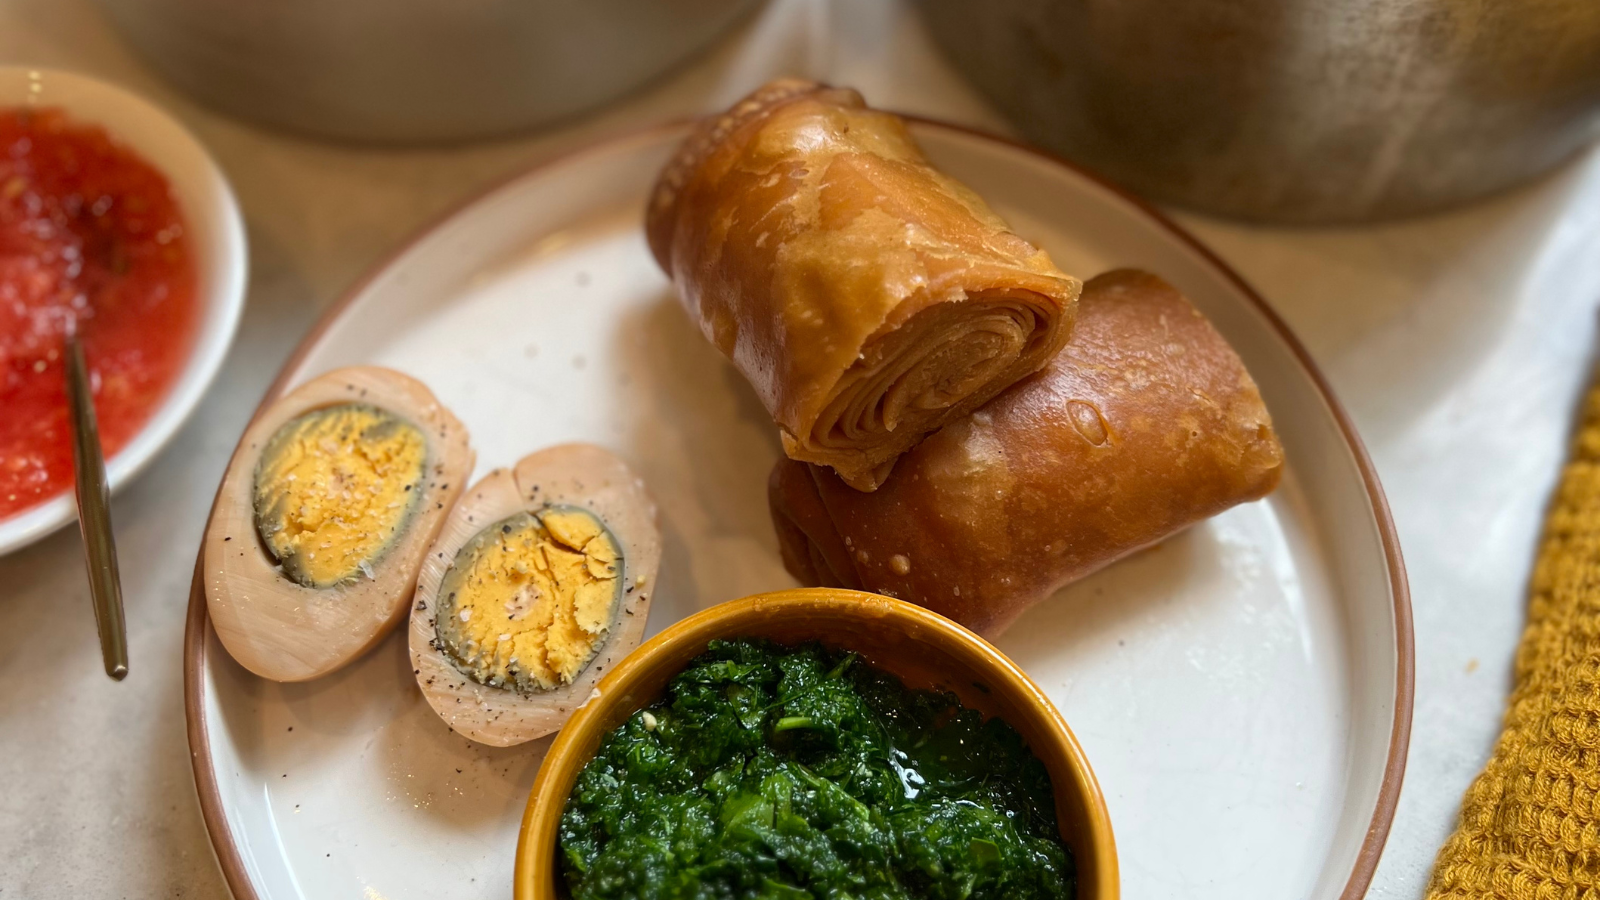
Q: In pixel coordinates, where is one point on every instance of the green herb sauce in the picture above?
(772, 772)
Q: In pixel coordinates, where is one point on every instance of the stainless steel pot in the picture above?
(416, 70)
(1291, 110)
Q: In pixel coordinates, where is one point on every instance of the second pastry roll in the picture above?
(1145, 424)
(867, 297)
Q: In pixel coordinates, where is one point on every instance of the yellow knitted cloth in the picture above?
(1530, 823)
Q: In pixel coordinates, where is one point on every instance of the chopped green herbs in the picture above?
(771, 772)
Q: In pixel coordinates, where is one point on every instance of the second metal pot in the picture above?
(1291, 110)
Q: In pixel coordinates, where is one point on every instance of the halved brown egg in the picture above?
(540, 580)
(332, 498)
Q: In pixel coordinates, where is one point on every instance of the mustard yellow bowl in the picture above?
(923, 649)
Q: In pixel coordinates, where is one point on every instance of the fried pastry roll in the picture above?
(1146, 423)
(867, 297)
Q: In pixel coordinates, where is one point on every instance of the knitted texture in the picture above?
(1530, 823)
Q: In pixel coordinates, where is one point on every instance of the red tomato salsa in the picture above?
(90, 237)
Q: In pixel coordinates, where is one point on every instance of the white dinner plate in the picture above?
(1243, 691)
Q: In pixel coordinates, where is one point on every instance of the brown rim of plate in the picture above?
(194, 638)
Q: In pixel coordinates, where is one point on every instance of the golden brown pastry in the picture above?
(868, 298)
(1145, 424)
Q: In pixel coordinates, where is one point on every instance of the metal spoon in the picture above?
(94, 515)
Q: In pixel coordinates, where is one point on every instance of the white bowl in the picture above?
(214, 225)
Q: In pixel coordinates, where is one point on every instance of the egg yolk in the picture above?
(527, 602)
(334, 488)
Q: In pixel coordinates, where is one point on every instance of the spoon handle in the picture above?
(94, 516)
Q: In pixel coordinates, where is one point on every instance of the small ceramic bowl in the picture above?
(215, 226)
(923, 649)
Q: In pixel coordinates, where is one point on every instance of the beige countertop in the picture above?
(1459, 342)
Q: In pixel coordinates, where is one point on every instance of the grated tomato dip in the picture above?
(90, 237)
